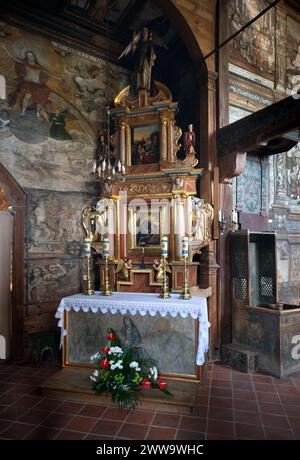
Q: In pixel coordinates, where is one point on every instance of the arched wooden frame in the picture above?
(16, 197)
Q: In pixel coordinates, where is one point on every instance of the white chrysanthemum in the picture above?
(115, 350)
(134, 364)
(96, 373)
(153, 373)
(94, 357)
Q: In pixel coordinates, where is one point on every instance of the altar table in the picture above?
(144, 304)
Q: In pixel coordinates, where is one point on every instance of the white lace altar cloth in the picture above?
(144, 304)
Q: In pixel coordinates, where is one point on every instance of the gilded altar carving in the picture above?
(145, 189)
(202, 218)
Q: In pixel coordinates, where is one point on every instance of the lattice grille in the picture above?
(240, 288)
(266, 286)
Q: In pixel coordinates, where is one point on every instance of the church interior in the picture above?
(150, 213)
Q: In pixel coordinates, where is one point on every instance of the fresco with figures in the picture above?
(269, 47)
(176, 336)
(50, 120)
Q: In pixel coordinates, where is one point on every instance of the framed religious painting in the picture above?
(147, 224)
(145, 144)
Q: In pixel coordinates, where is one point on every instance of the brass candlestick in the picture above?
(106, 284)
(185, 295)
(165, 294)
(89, 288)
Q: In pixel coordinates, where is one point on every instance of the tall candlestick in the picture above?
(164, 247)
(105, 251)
(185, 295)
(185, 247)
(87, 250)
(105, 247)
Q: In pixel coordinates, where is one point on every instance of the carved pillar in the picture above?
(179, 225)
(280, 178)
(163, 139)
(128, 144)
(280, 205)
(208, 273)
(111, 226)
(170, 141)
(122, 142)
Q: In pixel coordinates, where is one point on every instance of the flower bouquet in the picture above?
(122, 373)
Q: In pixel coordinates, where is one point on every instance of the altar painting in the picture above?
(145, 144)
(169, 341)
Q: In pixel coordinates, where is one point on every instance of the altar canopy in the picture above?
(142, 304)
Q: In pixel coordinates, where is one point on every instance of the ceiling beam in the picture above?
(249, 133)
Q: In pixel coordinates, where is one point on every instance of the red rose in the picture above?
(105, 349)
(146, 384)
(111, 336)
(162, 384)
(104, 363)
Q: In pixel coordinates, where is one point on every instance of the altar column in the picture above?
(179, 225)
(122, 142)
(111, 226)
(163, 139)
(128, 144)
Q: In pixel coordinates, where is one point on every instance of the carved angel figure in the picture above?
(159, 268)
(142, 47)
(124, 266)
(92, 222)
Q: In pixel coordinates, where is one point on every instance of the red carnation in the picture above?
(162, 384)
(105, 349)
(111, 336)
(104, 363)
(146, 384)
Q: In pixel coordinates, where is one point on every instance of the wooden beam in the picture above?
(247, 134)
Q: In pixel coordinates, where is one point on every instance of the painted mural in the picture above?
(54, 109)
(255, 46)
(55, 106)
(51, 279)
(55, 221)
(252, 187)
(293, 173)
(170, 341)
(269, 47)
(293, 53)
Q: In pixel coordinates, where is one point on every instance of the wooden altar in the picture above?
(157, 196)
(174, 332)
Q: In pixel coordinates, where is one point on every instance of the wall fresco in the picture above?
(170, 341)
(55, 221)
(55, 107)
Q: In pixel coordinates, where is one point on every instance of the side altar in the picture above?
(173, 332)
(142, 240)
(146, 193)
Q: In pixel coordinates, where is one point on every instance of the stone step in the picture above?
(240, 357)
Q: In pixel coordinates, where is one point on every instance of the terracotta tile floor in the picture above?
(230, 405)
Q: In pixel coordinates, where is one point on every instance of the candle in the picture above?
(87, 246)
(164, 247)
(185, 247)
(220, 215)
(105, 247)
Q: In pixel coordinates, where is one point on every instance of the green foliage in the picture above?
(121, 373)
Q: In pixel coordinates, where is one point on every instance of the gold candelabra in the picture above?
(89, 288)
(106, 284)
(165, 293)
(185, 295)
(88, 256)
